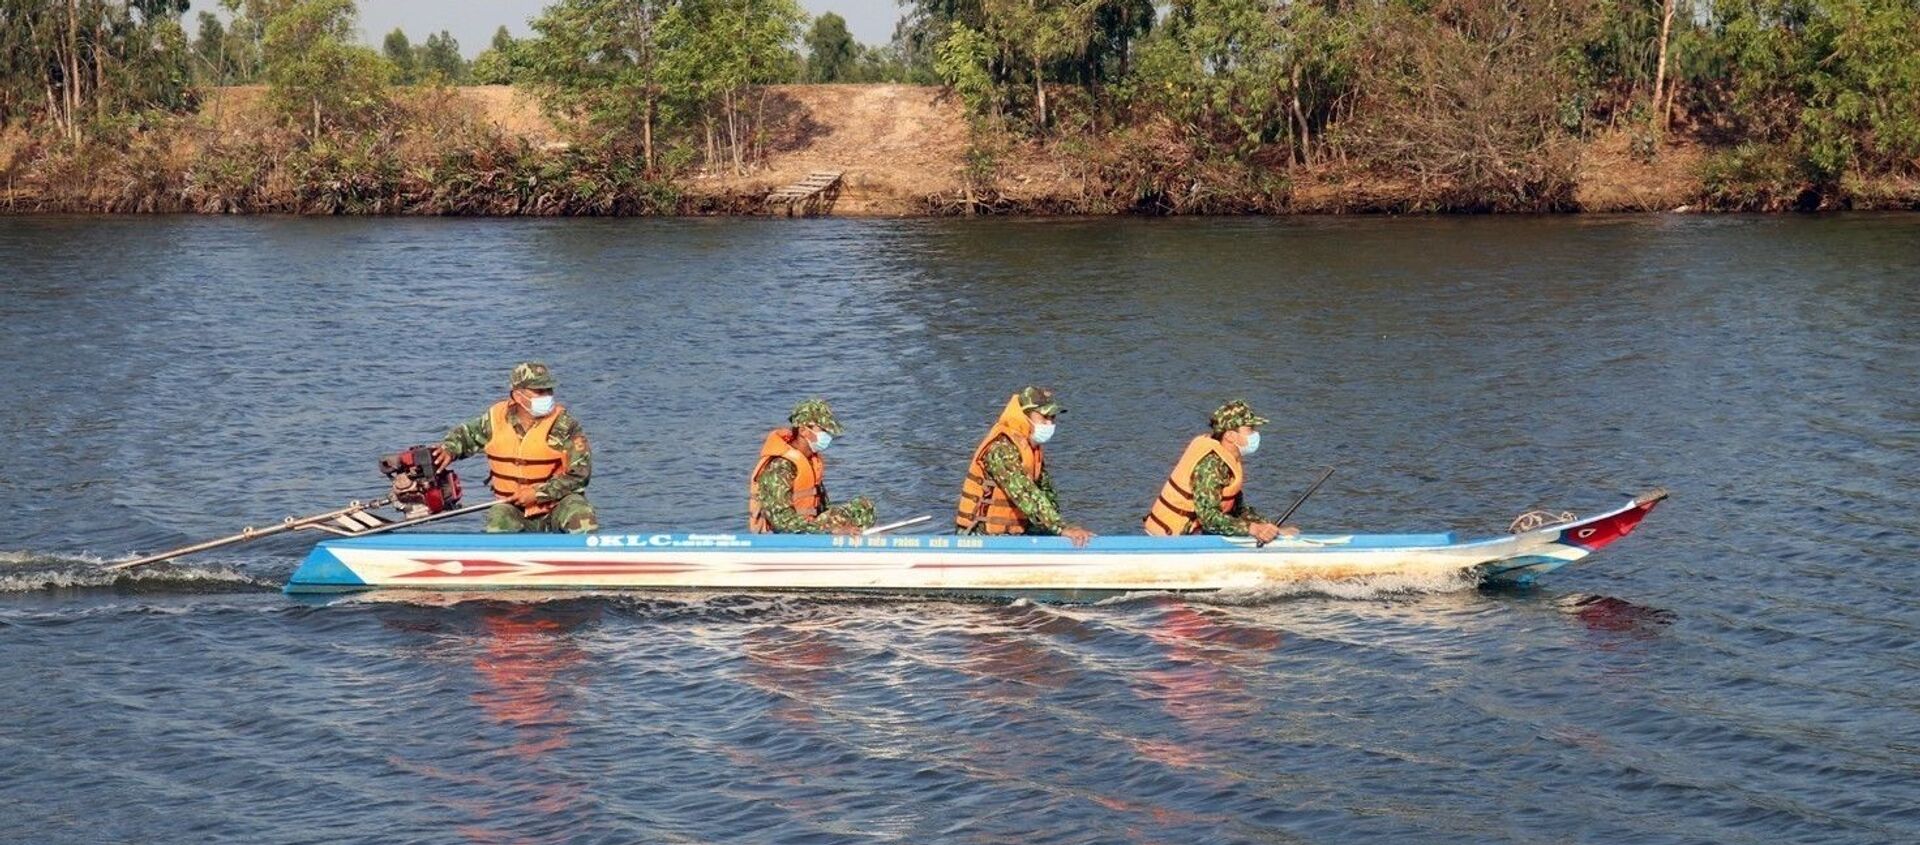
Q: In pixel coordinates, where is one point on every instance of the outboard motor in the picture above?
(418, 490)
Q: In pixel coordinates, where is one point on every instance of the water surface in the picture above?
(1739, 670)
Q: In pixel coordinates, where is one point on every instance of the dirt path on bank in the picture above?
(894, 144)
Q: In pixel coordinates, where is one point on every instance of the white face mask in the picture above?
(1042, 432)
(1252, 445)
(540, 406)
(821, 440)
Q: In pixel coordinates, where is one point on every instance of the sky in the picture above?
(472, 22)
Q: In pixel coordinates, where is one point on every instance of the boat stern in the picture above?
(323, 572)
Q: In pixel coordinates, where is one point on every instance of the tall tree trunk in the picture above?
(1299, 116)
(646, 133)
(1660, 73)
(1040, 92)
(99, 66)
(73, 65)
(733, 132)
(643, 21)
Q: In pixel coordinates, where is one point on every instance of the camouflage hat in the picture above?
(531, 374)
(1039, 399)
(1233, 415)
(815, 412)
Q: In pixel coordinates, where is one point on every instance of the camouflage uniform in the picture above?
(1035, 498)
(1210, 476)
(774, 485)
(566, 490)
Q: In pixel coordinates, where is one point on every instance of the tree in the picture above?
(440, 58)
(1035, 34)
(210, 49)
(499, 63)
(399, 52)
(242, 44)
(319, 76)
(79, 60)
(597, 66)
(719, 50)
(831, 52)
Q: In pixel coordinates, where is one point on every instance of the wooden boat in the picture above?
(1043, 567)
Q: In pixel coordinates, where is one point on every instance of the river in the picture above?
(1742, 669)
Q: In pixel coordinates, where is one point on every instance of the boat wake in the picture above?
(1346, 589)
(30, 572)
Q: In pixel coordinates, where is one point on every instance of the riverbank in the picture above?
(903, 150)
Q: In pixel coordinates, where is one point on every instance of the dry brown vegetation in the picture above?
(903, 150)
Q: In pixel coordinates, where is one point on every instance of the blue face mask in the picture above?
(1253, 444)
(821, 440)
(540, 406)
(1042, 432)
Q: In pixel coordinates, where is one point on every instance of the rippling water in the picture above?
(1742, 669)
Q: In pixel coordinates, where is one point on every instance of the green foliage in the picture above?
(963, 64)
(1170, 106)
(501, 63)
(719, 52)
(1862, 100)
(597, 67)
(439, 59)
(1756, 176)
(320, 78)
(399, 52)
(832, 53)
(84, 60)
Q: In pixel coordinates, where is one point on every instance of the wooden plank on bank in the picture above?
(812, 194)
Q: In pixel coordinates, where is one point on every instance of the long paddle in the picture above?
(892, 526)
(1303, 496)
(354, 520)
(1328, 473)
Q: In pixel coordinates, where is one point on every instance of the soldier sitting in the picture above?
(787, 492)
(1203, 493)
(537, 456)
(1007, 489)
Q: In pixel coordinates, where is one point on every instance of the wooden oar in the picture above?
(891, 526)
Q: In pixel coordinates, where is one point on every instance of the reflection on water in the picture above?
(1605, 613)
(527, 668)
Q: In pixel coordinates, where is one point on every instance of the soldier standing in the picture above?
(787, 492)
(538, 459)
(1007, 489)
(1203, 493)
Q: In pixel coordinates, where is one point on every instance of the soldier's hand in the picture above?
(1265, 532)
(525, 498)
(1078, 535)
(845, 529)
(441, 458)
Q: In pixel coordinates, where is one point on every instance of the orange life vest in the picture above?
(1173, 513)
(984, 503)
(809, 479)
(518, 462)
